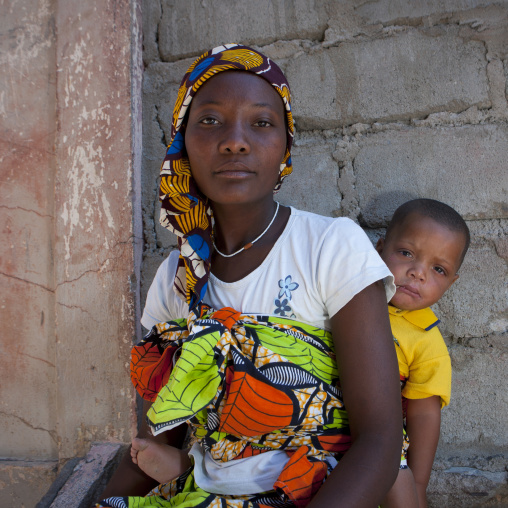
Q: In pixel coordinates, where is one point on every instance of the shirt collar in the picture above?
(423, 318)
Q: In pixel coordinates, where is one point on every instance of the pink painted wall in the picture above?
(69, 212)
(27, 172)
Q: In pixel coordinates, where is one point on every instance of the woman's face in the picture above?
(236, 138)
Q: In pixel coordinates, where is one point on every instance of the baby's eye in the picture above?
(439, 270)
(406, 253)
(209, 121)
(262, 123)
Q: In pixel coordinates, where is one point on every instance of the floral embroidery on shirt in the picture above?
(281, 307)
(286, 286)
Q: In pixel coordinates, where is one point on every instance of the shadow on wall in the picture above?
(378, 211)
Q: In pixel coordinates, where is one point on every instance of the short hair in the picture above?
(435, 210)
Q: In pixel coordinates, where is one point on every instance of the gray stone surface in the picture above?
(63, 476)
(479, 392)
(474, 310)
(410, 75)
(89, 477)
(152, 12)
(402, 11)
(195, 26)
(314, 166)
(462, 486)
(465, 167)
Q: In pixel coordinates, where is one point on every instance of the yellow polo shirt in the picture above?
(424, 361)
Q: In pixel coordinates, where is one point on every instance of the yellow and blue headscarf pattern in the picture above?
(184, 210)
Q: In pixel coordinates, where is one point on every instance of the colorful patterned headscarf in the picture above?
(185, 211)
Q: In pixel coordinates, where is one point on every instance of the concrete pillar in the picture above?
(70, 123)
(95, 239)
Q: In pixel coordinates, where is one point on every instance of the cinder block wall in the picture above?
(392, 100)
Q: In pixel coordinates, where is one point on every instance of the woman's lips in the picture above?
(233, 170)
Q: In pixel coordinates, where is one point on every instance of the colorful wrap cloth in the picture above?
(184, 210)
(246, 385)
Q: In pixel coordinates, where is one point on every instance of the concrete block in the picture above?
(88, 479)
(476, 305)
(401, 11)
(471, 482)
(161, 81)
(479, 395)
(192, 27)
(400, 77)
(505, 67)
(63, 475)
(313, 184)
(23, 483)
(465, 167)
(152, 12)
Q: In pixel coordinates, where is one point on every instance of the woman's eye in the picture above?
(209, 121)
(262, 123)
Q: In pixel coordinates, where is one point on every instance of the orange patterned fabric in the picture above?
(245, 384)
(254, 408)
(301, 478)
(151, 364)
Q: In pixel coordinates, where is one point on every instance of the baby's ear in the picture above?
(456, 276)
(380, 244)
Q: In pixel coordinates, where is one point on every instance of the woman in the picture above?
(267, 401)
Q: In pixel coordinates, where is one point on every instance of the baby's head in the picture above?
(424, 247)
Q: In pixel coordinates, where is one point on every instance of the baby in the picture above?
(424, 247)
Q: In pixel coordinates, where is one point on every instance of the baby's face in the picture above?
(424, 257)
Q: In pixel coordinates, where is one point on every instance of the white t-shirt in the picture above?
(317, 266)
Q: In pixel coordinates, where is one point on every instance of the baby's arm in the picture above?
(423, 421)
(370, 383)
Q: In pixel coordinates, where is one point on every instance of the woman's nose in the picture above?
(235, 140)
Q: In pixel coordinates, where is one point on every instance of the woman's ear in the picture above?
(379, 245)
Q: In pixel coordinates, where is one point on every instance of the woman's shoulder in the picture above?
(322, 221)
(162, 303)
(327, 228)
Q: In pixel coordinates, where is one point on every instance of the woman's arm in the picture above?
(423, 421)
(128, 479)
(370, 382)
